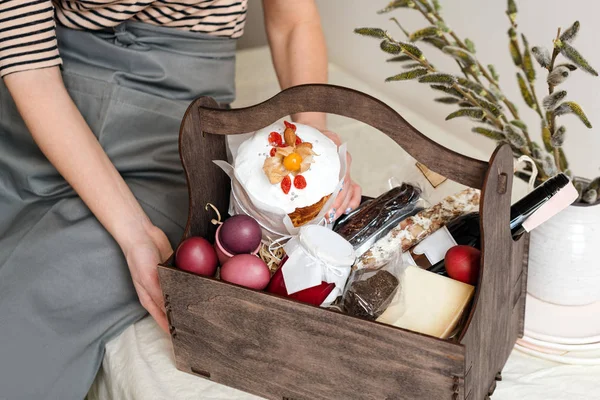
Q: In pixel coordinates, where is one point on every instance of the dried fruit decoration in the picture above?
(299, 182)
(286, 184)
(291, 158)
(275, 139)
(290, 126)
(292, 162)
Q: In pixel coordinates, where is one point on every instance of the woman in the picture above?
(92, 194)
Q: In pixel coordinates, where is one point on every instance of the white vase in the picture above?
(564, 257)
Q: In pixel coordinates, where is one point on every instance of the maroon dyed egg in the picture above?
(240, 234)
(196, 255)
(246, 270)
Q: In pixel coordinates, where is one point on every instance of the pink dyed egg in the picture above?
(246, 270)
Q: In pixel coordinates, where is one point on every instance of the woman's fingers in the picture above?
(339, 200)
(350, 195)
(162, 242)
(344, 206)
(143, 259)
(352, 200)
(356, 196)
(155, 311)
(152, 285)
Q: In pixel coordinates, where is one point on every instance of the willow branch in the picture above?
(423, 61)
(485, 73)
(475, 103)
(459, 42)
(443, 37)
(466, 95)
(552, 119)
(512, 109)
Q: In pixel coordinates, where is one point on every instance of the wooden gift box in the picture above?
(281, 349)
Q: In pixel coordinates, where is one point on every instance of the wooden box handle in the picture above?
(198, 149)
(353, 104)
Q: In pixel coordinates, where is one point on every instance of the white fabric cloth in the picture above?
(139, 365)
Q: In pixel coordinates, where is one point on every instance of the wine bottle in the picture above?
(465, 230)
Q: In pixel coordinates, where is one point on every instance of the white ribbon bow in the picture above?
(279, 243)
(305, 269)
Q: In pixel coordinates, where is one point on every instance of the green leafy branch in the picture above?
(473, 99)
(553, 135)
(427, 73)
(486, 104)
(433, 15)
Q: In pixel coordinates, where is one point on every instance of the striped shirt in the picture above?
(27, 27)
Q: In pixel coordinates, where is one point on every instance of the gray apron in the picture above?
(65, 289)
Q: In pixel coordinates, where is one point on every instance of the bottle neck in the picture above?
(465, 229)
(529, 204)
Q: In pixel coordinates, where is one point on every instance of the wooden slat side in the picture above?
(353, 104)
(276, 348)
(524, 262)
(490, 336)
(207, 183)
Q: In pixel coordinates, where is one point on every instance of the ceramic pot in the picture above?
(564, 258)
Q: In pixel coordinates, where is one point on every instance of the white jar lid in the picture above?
(317, 254)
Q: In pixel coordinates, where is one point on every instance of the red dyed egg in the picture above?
(196, 255)
(462, 264)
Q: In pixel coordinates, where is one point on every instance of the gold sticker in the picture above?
(434, 178)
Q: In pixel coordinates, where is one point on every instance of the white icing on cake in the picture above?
(321, 179)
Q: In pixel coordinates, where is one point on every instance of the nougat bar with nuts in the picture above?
(414, 229)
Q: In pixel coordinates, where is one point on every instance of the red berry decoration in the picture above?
(286, 184)
(273, 151)
(290, 125)
(299, 182)
(275, 139)
(298, 140)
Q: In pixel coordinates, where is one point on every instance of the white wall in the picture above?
(484, 22)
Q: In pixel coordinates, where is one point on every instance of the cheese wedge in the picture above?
(429, 303)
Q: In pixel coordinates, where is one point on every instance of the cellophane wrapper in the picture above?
(416, 228)
(370, 291)
(275, 222)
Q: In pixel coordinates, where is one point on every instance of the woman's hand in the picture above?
(349, 197)
(143, 254)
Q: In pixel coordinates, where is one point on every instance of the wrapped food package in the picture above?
(370, 291)
(414, 229)
(376, 217)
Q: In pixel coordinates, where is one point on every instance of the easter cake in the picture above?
(293, 167)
